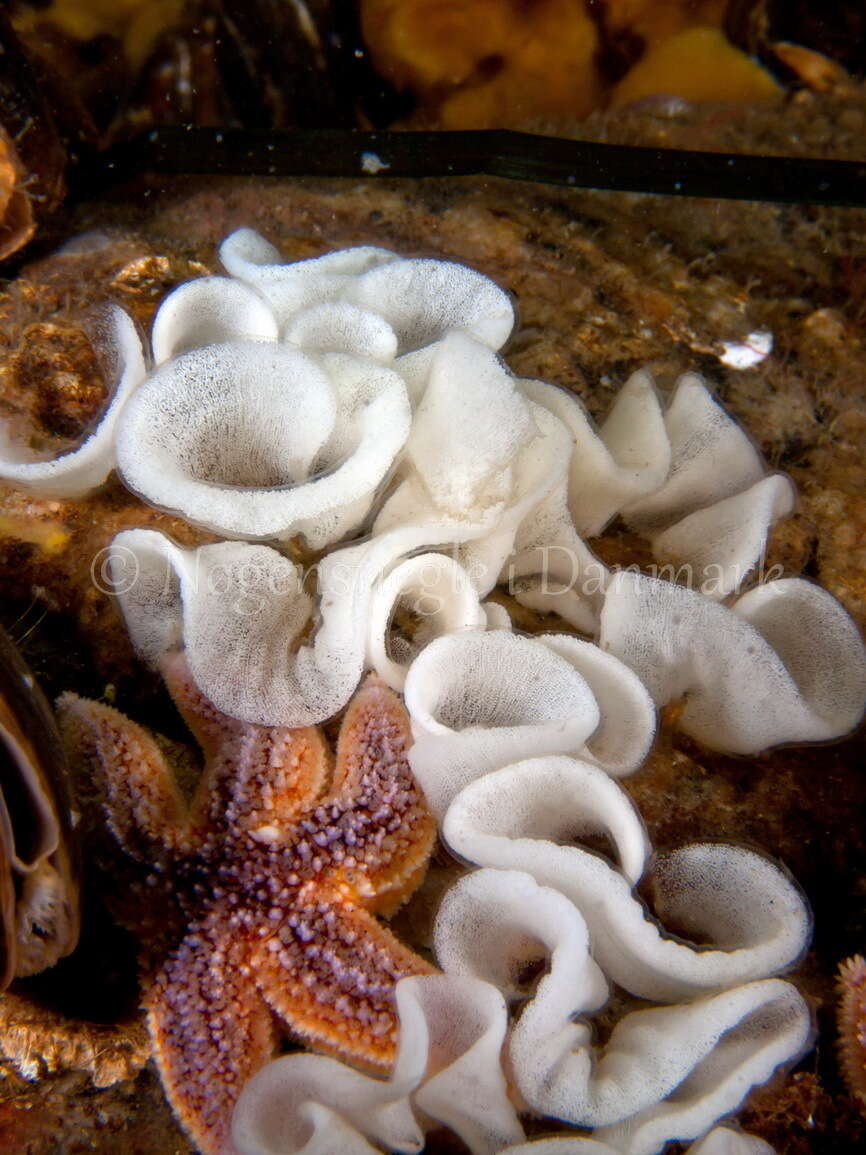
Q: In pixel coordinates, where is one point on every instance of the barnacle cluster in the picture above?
(357, 401)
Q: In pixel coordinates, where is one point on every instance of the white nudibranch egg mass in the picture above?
(356, 404)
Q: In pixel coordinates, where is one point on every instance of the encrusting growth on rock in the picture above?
(264, 886)
(852, 1024)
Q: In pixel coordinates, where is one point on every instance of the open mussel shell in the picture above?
(39, 876)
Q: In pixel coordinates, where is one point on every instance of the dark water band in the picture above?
(499, 153)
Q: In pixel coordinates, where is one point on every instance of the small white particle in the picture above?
(267, 834)
(372, 163)
(750, 352)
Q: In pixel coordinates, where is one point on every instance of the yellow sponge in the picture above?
(487, 63)
(697, 64)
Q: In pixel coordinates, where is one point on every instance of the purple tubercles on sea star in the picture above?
(265, 886)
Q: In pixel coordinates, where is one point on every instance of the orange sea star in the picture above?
(266, 883)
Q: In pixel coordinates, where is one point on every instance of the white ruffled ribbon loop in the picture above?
(784, 663)
(209, 311)
(493, 922)
(479, 701)
(448, 1066)
(523, 817)
(227, 435)
(290, 287)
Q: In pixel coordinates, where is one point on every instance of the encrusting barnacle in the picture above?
(268, 880)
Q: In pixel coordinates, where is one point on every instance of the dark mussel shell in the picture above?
(39, 876)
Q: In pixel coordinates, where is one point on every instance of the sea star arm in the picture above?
(145, 809)
(211, 1029)
(329, 973)
(256, 779)
(386, 827)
